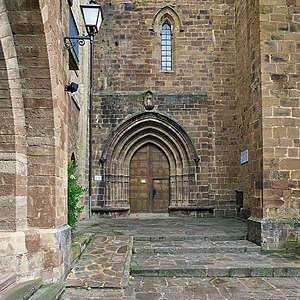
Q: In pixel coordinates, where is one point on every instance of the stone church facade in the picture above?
(182, 91)
(232, 89)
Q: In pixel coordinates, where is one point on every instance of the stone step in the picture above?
(22, 290)
(177, 247)
(49, 292)
(6, 280)
(204, 237)
(216, 265)
(79, 243)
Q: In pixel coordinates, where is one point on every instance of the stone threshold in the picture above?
(198, 208)
(206, 210)
(109, 209)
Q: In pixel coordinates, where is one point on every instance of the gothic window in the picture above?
(166, 47)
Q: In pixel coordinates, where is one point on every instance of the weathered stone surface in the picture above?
(215, 264)
(175, 281)
(202, 63)
(104, 264)
(49, 292)
(34, 135)
(197, 288)
(22, 290)
(234, 87)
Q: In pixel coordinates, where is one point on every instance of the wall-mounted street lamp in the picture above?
(92, 16)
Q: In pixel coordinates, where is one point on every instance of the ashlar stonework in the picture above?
(242, 58)
(231, 86)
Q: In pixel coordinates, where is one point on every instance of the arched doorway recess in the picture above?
(167, 139)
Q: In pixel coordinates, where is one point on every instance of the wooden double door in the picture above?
(149, 181)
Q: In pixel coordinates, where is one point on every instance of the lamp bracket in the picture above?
(70, 43)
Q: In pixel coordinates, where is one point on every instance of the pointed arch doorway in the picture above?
(151, 144)
(149, 185)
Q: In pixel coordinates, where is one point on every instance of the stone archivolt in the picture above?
(141, 129)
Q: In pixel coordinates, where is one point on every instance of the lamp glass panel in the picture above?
(99, 20)
(91, 14)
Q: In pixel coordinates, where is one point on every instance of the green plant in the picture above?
(75, 191)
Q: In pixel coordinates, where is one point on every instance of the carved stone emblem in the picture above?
(148, 100)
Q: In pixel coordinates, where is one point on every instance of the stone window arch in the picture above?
(166, 26)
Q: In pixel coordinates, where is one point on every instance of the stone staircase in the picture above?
(30, 289)
(145, 248)
(208, 256)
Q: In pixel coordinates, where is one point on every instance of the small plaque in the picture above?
(143, 181)
(98, 177)
(244, 157)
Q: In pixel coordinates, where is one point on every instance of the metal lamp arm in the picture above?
(79, 39)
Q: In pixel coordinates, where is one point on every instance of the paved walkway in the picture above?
(150, 288)
(158, 225)
(102, 271)
(104, 264)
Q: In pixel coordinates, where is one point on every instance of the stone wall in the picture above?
(128, 59)
(34, 144)
(280, 53)
(249, 104)
(78, 105)
(184, 110)
(268, 101)
(8, 159)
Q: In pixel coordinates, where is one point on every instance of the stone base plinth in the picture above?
(275, 234)
(36, 253)
(101, 212)
(196, 211)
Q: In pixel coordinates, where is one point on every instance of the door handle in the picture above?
(153, 192)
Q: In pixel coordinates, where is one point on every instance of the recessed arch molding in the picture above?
(133, 133)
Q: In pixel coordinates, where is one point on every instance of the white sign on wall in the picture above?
(98, 177)
(244, 157)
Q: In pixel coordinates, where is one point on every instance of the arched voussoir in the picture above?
(145, 128)
(161, 124)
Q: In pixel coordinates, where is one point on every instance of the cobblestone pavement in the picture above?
(153, 288)
(172, 236)
(104, 263)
